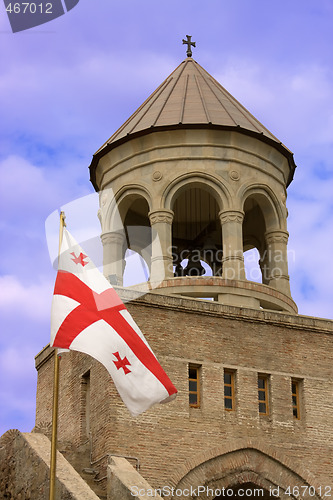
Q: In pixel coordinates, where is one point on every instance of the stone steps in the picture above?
(80, 460)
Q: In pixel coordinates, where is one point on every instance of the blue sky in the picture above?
(66, 86)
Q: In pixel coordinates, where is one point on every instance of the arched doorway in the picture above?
(230, 471)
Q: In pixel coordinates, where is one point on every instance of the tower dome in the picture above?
(196, 180)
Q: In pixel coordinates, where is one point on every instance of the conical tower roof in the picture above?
(190, 98)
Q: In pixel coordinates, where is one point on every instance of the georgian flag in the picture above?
(88, 316)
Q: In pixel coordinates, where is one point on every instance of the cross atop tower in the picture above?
(189, 44)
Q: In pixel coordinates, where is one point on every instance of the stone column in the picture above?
(264, 266)
(113, 256)
(232, 239)
(278, 277)
(161, 258)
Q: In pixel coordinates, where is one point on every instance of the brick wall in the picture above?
(214, 336)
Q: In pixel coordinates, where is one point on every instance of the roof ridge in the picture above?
(202, 99)
(165, 82)
(166, 100)
(223, 106)
(183, 99)
(158, 92)
(245, 112)
(151, 99)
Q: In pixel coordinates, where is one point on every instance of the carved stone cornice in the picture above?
(278, 275)
(279, 236)
(231, 216)
(165, 216)
(232, 257)
(112, 237)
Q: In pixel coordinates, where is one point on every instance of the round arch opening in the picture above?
(258, 216)
(196, 233)
(134, 210)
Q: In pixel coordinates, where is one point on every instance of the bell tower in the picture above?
(205, 181)
(191, 182)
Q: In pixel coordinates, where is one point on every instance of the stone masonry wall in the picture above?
(24, 470)
(212, 336)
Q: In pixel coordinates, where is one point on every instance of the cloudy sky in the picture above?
(66, 86)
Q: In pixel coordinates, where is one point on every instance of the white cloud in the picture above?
(28, 192)
(294, 103)
(32, 185)
(59, 99)
(16, 362)
(17, 395)
(311, 240)
(32, 301)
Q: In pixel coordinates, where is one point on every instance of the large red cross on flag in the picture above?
(88, 316)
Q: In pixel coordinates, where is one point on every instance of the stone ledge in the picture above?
(122, 478)
(193, 305)
(44, 355)
(208, 286)
(25, 463)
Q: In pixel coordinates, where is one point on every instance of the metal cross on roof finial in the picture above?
(189, 43)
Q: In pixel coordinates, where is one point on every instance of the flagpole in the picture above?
(53, 461)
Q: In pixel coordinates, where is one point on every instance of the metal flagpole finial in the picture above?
(62, 218)
(189, 44)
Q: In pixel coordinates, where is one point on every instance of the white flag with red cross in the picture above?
(88, 316)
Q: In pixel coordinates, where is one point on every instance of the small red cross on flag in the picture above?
(88, 316)
(79, 259)
(121, 363)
